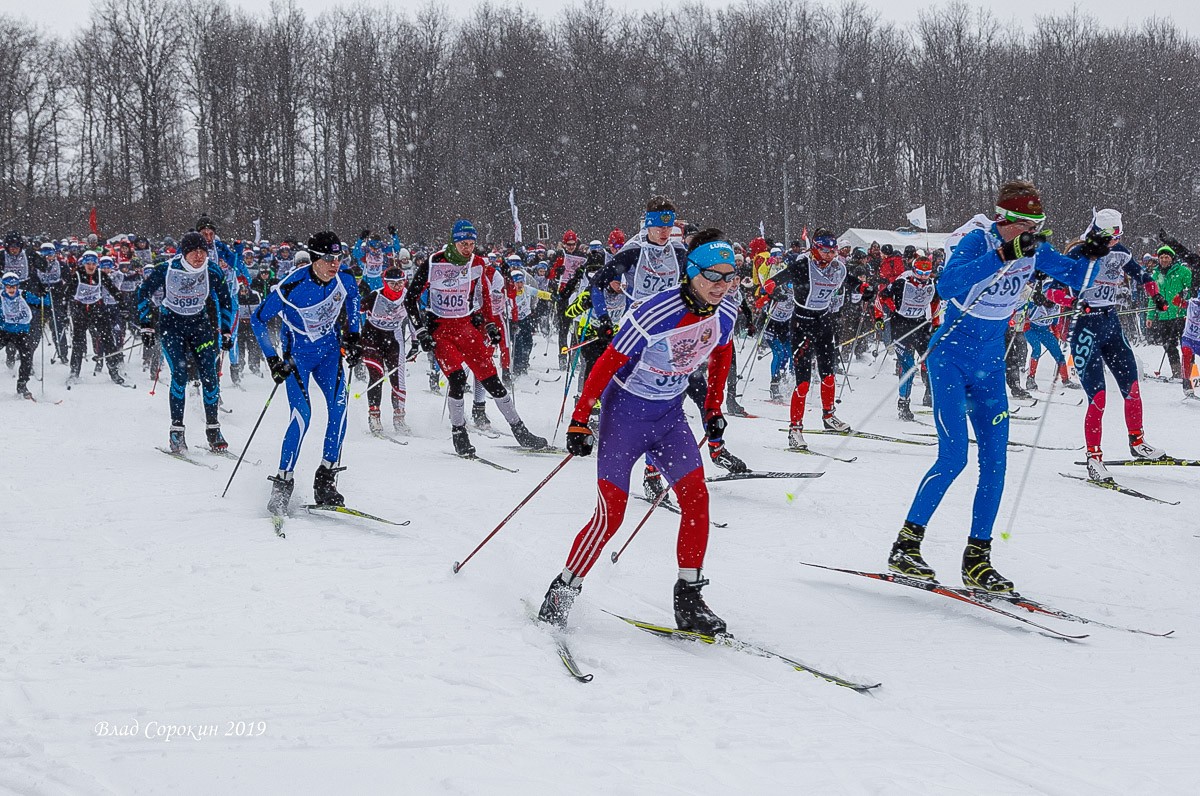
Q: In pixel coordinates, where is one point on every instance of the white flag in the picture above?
(917, 218)
(762, 230)
(257, 230)
(512, 203)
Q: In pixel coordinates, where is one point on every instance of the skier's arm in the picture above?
(972, 262)
(612, 271)
(719, 363)
(224, 301)
(353, 305)
(155, 280)
(412, 298)
(271, 306)
(1075, 270)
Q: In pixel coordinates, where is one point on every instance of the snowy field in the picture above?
(347, 658)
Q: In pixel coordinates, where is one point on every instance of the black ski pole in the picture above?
(261, 415)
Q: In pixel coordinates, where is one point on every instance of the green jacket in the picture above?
(1171, 282)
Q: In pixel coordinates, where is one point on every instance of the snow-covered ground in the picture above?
(348, 658)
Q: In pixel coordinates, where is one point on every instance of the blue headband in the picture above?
(463, 230)
(660, 218)
(708, 255)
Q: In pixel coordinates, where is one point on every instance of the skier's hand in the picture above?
(580, 439)
(354, 350)
(425, 339)
(280, 369)
(493, 333)
(867, 291)
(1179, 301)
(714, 426)
(391, 229)
(148, 336)
(366, 233)
(1168, 239)
(604, 328)
(226, 341)
(1160, 303)
(1095, 246)
(1024, 245)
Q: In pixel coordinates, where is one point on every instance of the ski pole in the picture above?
(659, 499)
(261, 415)
(42, 334)
(458, 565)
(849, 357)
(745, 377)
(377, 382)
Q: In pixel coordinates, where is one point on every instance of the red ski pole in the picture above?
(459, 565)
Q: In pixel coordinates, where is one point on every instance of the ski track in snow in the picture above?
(131, 592)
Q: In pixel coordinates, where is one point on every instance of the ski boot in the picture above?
(177, 442)
(526, 438)
(99, 365)
(23, 391)
(721, 457)
(325, 486)
(732, 407)
(776, 392)
(927, 399)
(281, 493)
(904, 410)
(1030, 383)
(1138, 448)
(1095, 467)
(832, 423)
(652, 483)
(398, 424)
(978, 572)
(435, 386)
(479, 417)
(462, 442)
(1018, 393)
(905, 558)
(72, 380)
(1188, 390)
(117, 378)
(692, 613)
(558, 601)
(796, 438)
(216, 441)
(373, 422)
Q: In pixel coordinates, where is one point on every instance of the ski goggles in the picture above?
(1013, 217)
(660, 218)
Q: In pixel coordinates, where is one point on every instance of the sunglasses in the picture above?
(713, 275)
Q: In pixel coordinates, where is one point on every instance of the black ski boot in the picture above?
(435, 386)
(905, 558)
(927, 398)
(281, 494)
(558, 601)
(479, 417)
(23, 391)
(1019, 393)
(462, 442)
(526, 438)
(732, 407)
(177, 442)
(978, 572)
(904, 407)
(652, 483)
(721, 457)
(325, 487)
(776, 391)
(692, 613)
(216, 441)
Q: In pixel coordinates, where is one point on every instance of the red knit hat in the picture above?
(616, 238)
(570, 237)
(1025, 205)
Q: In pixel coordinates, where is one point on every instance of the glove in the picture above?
(751, 329)
(366, 233)
(280, 369)
(1095, 246)
(714, 427)
(1041, 300)
(226, 342)
(148, 336)
(1160, 303)
(604, 328)
(493, 333)
(354, 350)
(1024, 245)
(580, 439)
(391, 229)
(1178, 301)
(868, 292)
(425, 339)
(1170, 240)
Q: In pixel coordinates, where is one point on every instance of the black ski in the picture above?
(1124, 490)
(671, 507)
(962, 595)
(277, 524)
(727, 640)
(549, 450)
(183, 457)
(560, 646)
(752, 474)
(230, 455)
(475, 458)
(864, 435)
(811, 452)
(1041, 608)
(1011, 443)
(381, 435)
(1166, 461)
(311, 507)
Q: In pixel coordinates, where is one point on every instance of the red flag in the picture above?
(92, 222)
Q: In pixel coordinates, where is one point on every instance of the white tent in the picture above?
(922, 240)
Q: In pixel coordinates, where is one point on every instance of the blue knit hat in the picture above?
(463, 230)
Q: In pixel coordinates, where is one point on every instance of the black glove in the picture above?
(280, 369)
(1170, 240)
(1095, 247)
(1024, 245)
(1160, 303)
(425, 339)
(868, 292)
(147, 336)
(714, 427)
(604, 328)
(494, 335)
(352, 343)
(391, 229)
(580, 439)
(1041, 300)
(366, 233)
(226, 341)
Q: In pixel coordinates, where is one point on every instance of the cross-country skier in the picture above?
(982, 283)
(1041, 336)
(911, 304)
(86, 287)
(1190, 342)
(314, 301)
(457, 327)
(642, 378)
(1098, 339)
(194, 322)
(17, 327)
(383, 348)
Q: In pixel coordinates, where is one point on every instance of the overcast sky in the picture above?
(69, 14)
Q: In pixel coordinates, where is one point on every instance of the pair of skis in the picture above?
(1165, 461)
(988, 601)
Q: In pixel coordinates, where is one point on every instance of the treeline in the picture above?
(157, 110)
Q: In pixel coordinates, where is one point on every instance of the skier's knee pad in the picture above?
(457, 384)
(493, 385)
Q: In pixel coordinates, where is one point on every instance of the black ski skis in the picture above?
(1166, 461)
(946, 591)
(183, 457)
(311, 507)
(1124, 490)
(230, 455)
(727, 640)
(751, 475)
(475, 458)
(549, 450)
